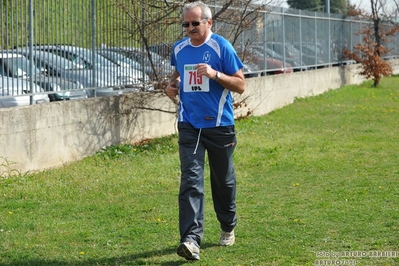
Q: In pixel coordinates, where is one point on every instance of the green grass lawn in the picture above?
(317, 180)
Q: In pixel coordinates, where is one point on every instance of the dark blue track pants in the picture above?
(219, 143)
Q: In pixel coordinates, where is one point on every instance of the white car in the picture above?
(119, 76)
(158, 68)
(57, 66)
(17, 66)
(13, 93)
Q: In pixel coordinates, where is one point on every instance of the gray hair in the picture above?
(206, 11)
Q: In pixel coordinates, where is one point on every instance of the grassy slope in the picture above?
(317, 176)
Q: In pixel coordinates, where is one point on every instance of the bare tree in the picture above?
(376, 35)
(155, 24)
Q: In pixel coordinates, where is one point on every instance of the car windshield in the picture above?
(123, 59)
(130, 62)
(100, 60)
(140, 56)
(57, 61)
(120, 59)
(113, 56)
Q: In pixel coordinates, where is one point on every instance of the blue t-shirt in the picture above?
(204, 103)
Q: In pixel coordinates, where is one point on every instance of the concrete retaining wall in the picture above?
(49, 135)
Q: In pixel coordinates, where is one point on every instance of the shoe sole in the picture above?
(185, 252)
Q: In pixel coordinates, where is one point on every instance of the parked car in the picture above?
(163, 49)
(270, 67)
(119, 59)
(310, 56)
(289, 52)
(55, 65)
(15, 65)
(250, 70)
(124, 61)
(156, 66)
(87, 59)
(17, 92)
(315, 51)
(296, 65)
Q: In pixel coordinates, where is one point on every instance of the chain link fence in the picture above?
(55, 50)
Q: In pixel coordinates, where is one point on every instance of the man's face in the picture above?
(198, 33)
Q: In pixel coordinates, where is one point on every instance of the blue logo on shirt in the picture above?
(207, 56)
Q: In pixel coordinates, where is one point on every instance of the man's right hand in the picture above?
(172, 90)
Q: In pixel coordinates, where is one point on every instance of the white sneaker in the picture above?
(227, 239)
(188, 250)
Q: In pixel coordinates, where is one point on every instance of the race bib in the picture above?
(193, 82)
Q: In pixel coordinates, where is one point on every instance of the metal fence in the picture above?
(55, 50)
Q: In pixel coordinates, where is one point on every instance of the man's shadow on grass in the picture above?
(133, 259)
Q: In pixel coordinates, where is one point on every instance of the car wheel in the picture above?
(52, 97)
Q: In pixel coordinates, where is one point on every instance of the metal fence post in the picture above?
(93, 43)
(31, 40)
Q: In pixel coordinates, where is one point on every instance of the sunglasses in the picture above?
(194, 23)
